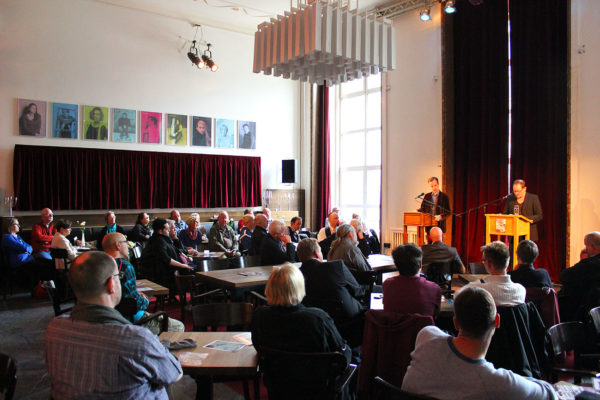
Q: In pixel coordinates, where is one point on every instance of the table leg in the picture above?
(204, 388)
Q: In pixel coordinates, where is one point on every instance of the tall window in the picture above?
(357, 184)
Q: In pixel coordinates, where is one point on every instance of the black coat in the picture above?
(103, 233)
(442, 207)
(441, 252)
(256, 240)
(272, 254)
(531, 208)
(528, 276)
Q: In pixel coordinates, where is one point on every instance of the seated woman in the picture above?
(246, 233)
(110, 227)
(60, 241)
(193, 235)
(141, 231)
(345, 248)
(188, 252)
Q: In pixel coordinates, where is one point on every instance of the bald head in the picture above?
(267, 213)
(261, 220)
(276, 229)
(592, 243)
(223, 218)
(333, 219)
(47, 216)
(89, 276)
(115, 244)
(436, 234)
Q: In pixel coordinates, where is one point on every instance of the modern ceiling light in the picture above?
(205, 59)
(324, 43)
(425, 14)
(450, 6)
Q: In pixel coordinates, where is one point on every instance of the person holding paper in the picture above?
(526, 204)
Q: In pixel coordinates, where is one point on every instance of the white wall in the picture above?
(412, 135)
(86, 52)
(585, 122)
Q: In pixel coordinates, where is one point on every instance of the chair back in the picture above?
(60, 258)
(295, 375)
(8, 376)
(386, 391)
(234, 316)
(440, 273)
(546, 302)
(567, 336)
(55, 298)
(595, 314)
(250, 261)
(374, 243)
(477, 268)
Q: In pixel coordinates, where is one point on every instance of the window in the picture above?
(356, 150)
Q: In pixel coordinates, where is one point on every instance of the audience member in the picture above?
(277, 248)
(116, 246)
(345, 248)
(259, 234)
(288, 325)
(327, 235)
(409, 293)
(363, 239)
(160, 256)
(194, 235)
(241, 221)
(246, 234)
(581, 282)
(179, 224)
(294, 229)
(440, 252)
(60, 241)
(448, 368)
(110, 227)
(526, 274)
(42, 234)
(95, 352)
(141, 231)
(190, 251)
(222, 237)
(267, 213)
(495, 258)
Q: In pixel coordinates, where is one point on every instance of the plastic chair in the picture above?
(8, 376)
(295, 375)
(386, 391)
(187, 284)
(567, 337)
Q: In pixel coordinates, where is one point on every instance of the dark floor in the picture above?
(23, 323)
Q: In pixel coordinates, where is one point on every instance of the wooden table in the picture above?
(381, 263)
(242, 363)
(150, 288)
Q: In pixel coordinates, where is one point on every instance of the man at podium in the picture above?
(436, 203)
(527, 204)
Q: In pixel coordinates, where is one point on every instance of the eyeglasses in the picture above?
(120, 274)
(123, 241)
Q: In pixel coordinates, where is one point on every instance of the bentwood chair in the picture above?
(570, 337)
(188, 284)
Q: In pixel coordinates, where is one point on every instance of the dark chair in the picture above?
(440, 273)
(233, 316)
(55, 298)
(367, 279)
(255, 298)
(292, 375)
(595, 315)
(386, 391)
(188, 284)
(250, 261)
(569, 337)
(477, 268)
(128, 308)
(546, 302)
(374, 243)
(7, 274)
(60, 255)
(8, 376)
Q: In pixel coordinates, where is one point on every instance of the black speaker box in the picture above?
(288, 171)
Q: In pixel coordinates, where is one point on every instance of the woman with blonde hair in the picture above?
(193, 235)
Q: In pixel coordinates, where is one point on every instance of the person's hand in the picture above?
(285, 239)
(143, 295)
(438, 217)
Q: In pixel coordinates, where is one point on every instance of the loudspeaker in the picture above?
(288, 171)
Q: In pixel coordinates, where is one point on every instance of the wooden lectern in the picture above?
(421, 221)
(507, 225)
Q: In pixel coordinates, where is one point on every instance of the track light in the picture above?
(450, 6)
(425, 14)
(203, 60)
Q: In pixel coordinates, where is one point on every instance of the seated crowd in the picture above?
(319, 306)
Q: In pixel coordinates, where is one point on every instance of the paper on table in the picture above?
(244, 338)
(224, 346)
(144, 289)
(249, 273)
(191, 359)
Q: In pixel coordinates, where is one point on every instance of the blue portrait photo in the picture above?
(64, 120)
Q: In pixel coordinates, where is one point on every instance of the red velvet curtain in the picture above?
(539, 35)
(479, 36)
(65, 178)
(323, 161)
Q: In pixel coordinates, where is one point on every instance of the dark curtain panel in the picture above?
(479, 36)
(539, 32)
(65, 178)
(323, 167)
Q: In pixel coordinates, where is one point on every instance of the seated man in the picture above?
(450, 368)
(277, 248)
(345, 248)
(327, 235)
(179, 223)
(526, 274)
(440, 252)
(409, 293)
(259, 234)
(294, 229)
(116, 246)
(160, 256)
(42, 234)
(328, 282)
(267, 213)
(246, 231)
(495, 258)
(110, 227)
(363, 239)
(222, 237)
(95, 352)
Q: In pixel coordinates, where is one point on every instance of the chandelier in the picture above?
(323, 43)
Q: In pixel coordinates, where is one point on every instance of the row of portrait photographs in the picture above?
(65, 123)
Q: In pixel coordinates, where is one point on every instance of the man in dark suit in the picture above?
(440, 252)
(526, 274)
(436, 203)
(527, 204)
(277, 248)
(294, 229)
(260, 232)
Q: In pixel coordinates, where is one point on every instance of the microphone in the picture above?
(419, 196)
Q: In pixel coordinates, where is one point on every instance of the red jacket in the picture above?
(41, 237)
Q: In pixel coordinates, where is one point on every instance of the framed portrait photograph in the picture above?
(201, 131)
(176, 131)
(150, 127)
(95, 123)
(65, 120)
(224, 132)
(246, 135)
(124, 125)
(32, 117)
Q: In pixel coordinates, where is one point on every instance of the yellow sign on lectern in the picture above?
(514, 226)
